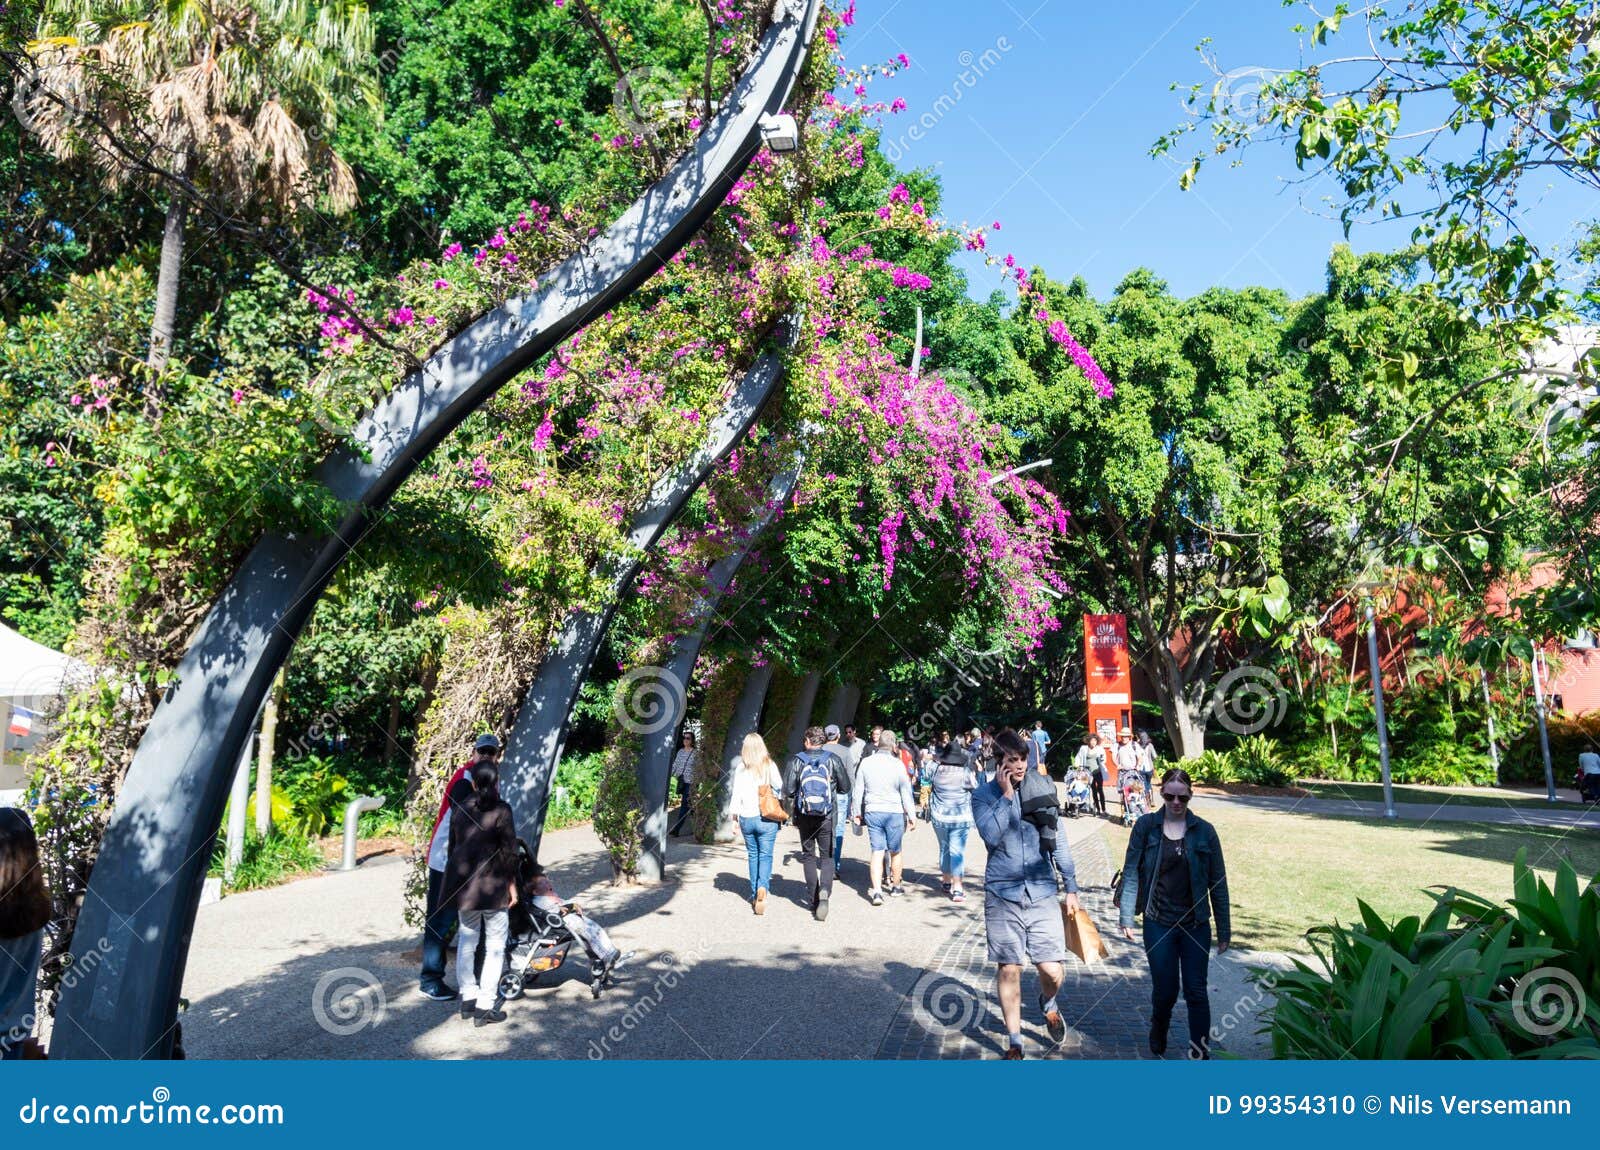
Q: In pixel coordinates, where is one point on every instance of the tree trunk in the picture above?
(269, 742)
(392, 734)
(1185, 723)
(166, 298)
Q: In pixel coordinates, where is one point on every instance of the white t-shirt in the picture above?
(745, 795)
(439, 848)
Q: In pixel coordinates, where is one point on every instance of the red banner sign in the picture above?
(1108, 681)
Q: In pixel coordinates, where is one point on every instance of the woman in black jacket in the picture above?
(1172, 872)
(480, 877)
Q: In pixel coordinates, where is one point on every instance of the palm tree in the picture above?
(231, 98)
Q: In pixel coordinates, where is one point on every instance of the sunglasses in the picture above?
(1176, 798)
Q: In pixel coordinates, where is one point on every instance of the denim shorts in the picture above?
(886, 830)
(1020, 932)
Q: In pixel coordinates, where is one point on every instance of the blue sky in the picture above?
(1053, 139)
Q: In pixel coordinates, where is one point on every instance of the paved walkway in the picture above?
(1445, 811)
(315, 969)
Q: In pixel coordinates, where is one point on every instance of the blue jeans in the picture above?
(841, 819)
(441, 920)
(759, 837)
(1179, 954)
(952, 847)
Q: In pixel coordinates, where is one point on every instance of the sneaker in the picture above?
(875, 898)
(958, 895)
(1054, 1023)
(821, 910)
(1012, 1054)
(897, 890)
(488, 1017)
(440, 993)
(944, 885)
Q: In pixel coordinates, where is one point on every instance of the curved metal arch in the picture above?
(139, 910)
(655, 756)
(539, 732)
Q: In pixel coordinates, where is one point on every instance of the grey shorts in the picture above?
(1024, 932)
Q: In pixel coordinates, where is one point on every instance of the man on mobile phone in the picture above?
(1021, 901)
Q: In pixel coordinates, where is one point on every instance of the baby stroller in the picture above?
(1131, 785)
(1078, 800)
(538, 941)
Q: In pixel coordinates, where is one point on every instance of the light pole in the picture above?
(1488, 715)
(993, 479)
(1377, 706)
(1544, 730)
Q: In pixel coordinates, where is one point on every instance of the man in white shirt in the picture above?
(881, 800)
(1589, 774)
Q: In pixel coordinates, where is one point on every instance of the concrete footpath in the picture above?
(315, 969)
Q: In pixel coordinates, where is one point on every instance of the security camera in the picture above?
(780, 132)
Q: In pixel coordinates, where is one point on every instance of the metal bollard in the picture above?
(352, 813)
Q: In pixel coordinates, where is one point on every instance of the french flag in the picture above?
(21, 721)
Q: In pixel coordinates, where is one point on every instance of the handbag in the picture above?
(1083, 937)
(771, 809)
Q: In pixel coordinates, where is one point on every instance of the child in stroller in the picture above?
(1078, 797)
(1131, 784)
(543, 929)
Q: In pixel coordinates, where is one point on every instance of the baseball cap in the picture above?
(831, 730)
(487, 742)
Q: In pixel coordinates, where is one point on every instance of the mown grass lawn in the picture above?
(1289, 872)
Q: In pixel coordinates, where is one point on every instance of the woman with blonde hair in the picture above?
(756, 772)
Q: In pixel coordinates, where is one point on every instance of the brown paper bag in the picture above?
(1083, 937)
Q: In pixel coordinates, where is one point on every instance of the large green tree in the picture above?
(231, 101)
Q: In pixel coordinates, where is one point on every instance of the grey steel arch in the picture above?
(139, 910)
(660, 741)
(534, 745)
(805, 702)
(842, 706)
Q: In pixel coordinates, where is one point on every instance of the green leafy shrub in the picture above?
(1256, 760)
(1213, 767)
(269, 861)
(1471, 980)
(1522, 760)
(572, 794)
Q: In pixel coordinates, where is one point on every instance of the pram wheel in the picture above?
(510, 986)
